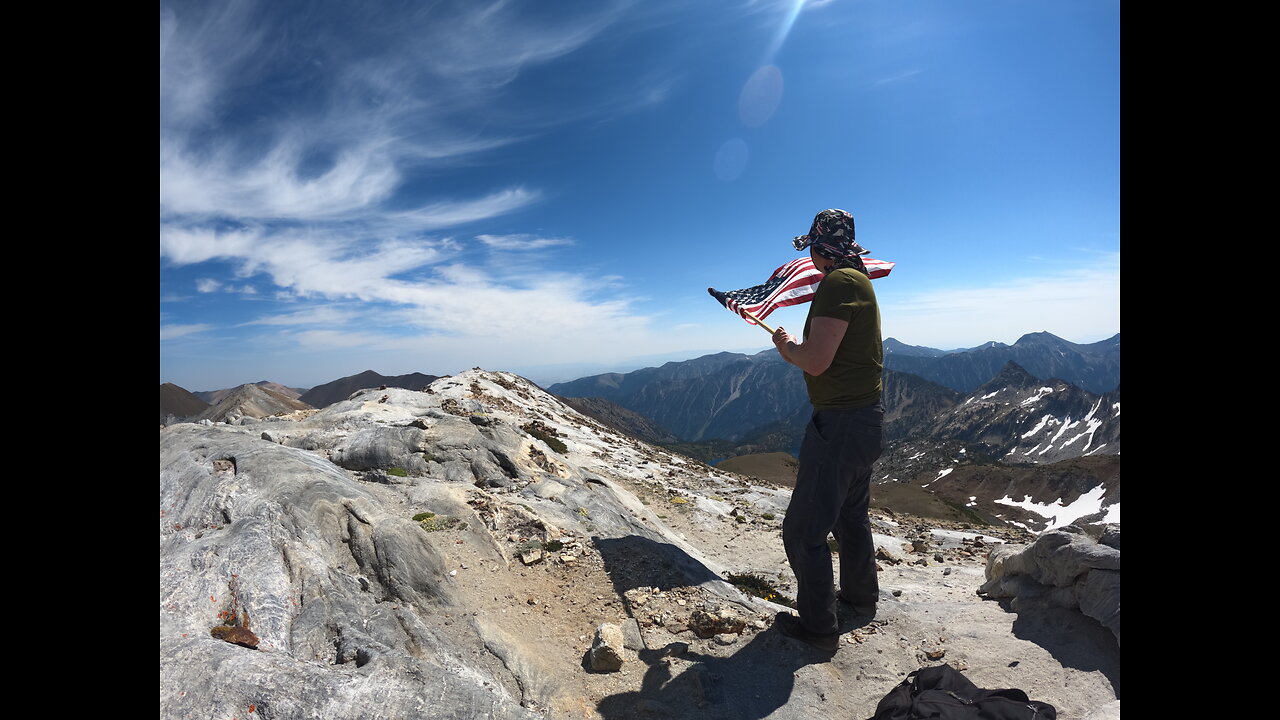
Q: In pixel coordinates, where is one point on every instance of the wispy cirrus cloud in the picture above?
(522, 241)
(322, 315)
(889, 80)
(371, 105)
(170, 332)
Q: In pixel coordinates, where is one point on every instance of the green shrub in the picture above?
(432, 522)
(398, 472)
(757, 586)
(536, 430)
(767, 516)
(553, 546)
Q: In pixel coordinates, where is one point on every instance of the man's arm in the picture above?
(814, 355)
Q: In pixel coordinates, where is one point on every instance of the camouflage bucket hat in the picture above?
(834, 229)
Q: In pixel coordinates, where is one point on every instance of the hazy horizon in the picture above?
(549, 375)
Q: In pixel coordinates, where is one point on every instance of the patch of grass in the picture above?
(967, 512)
(679, 500)
(740, 518)
(835, 546)
(398, 472)
(432, 522)
(553, 546)
(704, 451)
(538, 430)
(584, 512)
(757, 586)
(767, 516)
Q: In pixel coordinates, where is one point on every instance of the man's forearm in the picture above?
(815, 354)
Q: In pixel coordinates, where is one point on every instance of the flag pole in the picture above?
(758, 321)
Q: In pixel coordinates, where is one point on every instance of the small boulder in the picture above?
(886, 556)
(706, 624)
(236, 635)
(606, 649)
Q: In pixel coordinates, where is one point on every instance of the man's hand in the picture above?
(781, 337)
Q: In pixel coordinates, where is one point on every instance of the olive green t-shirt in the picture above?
(853, 380)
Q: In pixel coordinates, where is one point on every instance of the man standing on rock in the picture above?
(842, 358)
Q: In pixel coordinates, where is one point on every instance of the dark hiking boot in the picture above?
(863, 610)
(791, 626)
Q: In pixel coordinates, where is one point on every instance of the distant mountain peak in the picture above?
(1012, 375)
(331, 392)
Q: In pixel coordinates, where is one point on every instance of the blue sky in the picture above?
(549, 188)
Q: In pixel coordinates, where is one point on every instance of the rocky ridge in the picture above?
(340, 389)
(251, 401)
(452, 553)
(177, 402)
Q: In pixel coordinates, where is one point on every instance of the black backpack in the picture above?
(941, 692)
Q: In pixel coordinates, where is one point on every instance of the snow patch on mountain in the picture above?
(941, 474)
(1039, 394)
(1059, 515)
(1043, 421)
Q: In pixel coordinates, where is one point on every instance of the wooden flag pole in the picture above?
(758, 321)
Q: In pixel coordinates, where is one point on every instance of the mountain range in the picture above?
(1094, 367)
(758, 403)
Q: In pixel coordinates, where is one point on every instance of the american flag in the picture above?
(791, 284)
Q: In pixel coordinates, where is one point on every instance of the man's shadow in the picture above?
(750, 684)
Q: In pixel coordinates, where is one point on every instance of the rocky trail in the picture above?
(451, 553)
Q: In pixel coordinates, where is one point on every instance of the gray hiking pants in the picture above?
(833, 491)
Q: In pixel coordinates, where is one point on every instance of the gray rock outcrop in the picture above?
(1063, 568)
(335, 585)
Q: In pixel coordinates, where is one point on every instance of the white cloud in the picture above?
(388, 99)
(359, 178)
(169, 332)
(522, 241)
(447, 214)
(322, 315)
(207, 285)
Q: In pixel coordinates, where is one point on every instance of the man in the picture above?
(842, 358)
